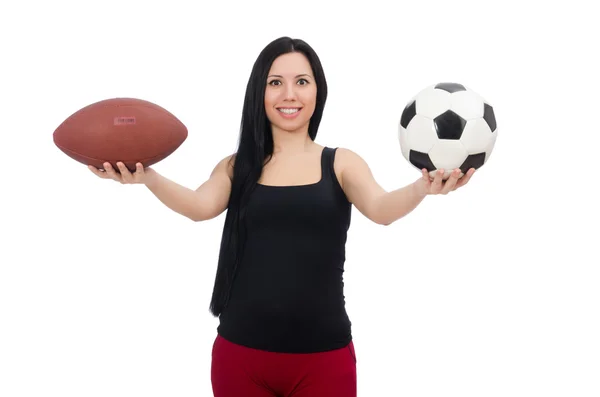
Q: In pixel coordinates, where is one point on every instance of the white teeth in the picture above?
(288, 111)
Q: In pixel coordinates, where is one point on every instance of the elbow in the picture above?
(377, 212)
(384, 219)
(205, 215)
(385, 223)
(377, 217)
(381, 220)
(199, 217)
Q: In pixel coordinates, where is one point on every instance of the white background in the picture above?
(492, 290)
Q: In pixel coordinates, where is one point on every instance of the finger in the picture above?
(97, 172)
(463, 181)
(139, 172)
(436, 186)
(111, 172)
(451, 182)
(425, 174)
(125, 173)
(139, 168)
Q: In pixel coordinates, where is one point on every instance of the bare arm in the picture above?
(369, 197)
(204, 203)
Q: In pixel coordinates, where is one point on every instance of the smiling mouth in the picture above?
(289, 110)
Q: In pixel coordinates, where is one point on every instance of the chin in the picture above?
(293, 128)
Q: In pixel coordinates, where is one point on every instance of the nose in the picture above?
(290, 92)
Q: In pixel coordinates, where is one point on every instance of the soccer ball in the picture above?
(447, 126)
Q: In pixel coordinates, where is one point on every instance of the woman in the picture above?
(278, 290)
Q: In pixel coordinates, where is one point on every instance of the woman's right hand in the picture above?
(125, 176)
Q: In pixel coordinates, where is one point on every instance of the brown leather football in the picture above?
(129, 130)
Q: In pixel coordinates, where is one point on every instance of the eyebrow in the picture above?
(300, 75)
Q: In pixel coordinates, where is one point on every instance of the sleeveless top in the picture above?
(288, 293)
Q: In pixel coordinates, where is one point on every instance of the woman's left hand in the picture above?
(439, 186)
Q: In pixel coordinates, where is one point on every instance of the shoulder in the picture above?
(347, 159)
(346, 163)
(345, 155)
(225, 166)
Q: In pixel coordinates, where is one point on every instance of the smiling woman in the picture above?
(279, 290)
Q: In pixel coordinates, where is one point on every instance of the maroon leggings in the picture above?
(239, 371)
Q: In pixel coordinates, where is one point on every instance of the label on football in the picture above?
(124, 120)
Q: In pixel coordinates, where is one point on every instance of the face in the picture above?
(291, 93)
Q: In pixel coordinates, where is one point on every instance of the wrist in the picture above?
(420, 188)
(150, 177)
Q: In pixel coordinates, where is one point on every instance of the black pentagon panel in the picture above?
(489, 117)
(472, 161)
(449, 125)
(421, 160)
(407, 115)
(450, 87)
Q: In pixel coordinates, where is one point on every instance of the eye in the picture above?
(277, 81)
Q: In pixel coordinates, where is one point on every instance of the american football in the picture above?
(120, 129)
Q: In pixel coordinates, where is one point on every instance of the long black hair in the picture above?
(255, 147)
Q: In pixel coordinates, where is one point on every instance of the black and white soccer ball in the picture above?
(447, 126)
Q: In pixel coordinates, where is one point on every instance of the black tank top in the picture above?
(288, 294)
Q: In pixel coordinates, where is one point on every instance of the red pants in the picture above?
(239, 371)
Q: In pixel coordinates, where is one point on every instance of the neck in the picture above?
(291, 141)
